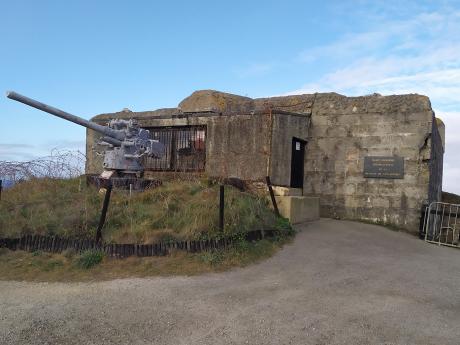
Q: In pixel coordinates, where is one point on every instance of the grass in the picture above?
(450, 198)
(90, 258)
(39, 266)
(179, 210)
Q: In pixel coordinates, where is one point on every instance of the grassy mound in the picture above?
(91, 266)
(176, 210)
(450, 198)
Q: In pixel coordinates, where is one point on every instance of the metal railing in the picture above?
(185, 149)
(441, 224)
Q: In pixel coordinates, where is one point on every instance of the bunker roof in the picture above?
(216, 103)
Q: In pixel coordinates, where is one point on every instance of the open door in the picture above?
(297, 162)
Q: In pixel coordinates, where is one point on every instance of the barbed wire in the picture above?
(59, 164)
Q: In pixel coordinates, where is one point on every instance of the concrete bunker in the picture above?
(317, 146)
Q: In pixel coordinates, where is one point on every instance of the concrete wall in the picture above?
(343, 131)
(285, 127)
(346, 129)
(436, 161)
(237, 145)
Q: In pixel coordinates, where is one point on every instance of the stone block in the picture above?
(298, 209)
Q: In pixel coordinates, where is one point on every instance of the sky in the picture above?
(91, 57)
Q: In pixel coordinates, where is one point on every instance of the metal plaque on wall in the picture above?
(384, 167)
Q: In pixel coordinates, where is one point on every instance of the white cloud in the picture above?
(396, 36)
(25, 152)
(416, 55)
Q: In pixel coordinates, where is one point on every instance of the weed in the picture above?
(450, 198)
(52, 264)
(89, 258)
(195, 189)
(242, 245)
(282, 224)
(184, 210)
(212, 257)
(37, 253)
(69, 253)
(21, 265)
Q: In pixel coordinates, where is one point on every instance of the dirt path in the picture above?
(338, 283)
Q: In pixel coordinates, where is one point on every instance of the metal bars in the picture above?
(185, 149)
(442, 224)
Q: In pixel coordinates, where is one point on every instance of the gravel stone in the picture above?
(339, 282)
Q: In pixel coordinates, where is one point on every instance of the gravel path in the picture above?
(338, 283)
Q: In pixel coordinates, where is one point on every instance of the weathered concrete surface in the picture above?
(346, 129)
(340, 132)
(337, 283)
(442, 131)
(215, 101)
(284, 128)
(238, 145)
(286, 191)
(298, 209)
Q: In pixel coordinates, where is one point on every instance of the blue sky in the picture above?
(89, 57)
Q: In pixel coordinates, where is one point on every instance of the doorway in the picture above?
(297, 162)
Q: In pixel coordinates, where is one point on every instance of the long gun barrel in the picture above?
(117, 136)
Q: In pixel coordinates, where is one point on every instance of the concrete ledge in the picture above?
(286, 191)
(298, 209)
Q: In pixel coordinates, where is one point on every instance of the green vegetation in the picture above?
(40, 266)
(177, 210)
(451, 198)
(90, 258)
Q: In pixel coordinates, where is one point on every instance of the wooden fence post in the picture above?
(221, 207)
(105, 206)
(272, 196)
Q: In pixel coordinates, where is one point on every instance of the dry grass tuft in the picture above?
(39, 266)
(177, 210)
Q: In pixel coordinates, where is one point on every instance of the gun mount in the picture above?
(124, 141)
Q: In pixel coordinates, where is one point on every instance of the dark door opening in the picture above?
(297, 162)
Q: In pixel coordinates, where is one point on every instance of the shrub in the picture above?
(284, 227)
(212, 257)
(52, 264)
(90, 258)
(241, 245)
(282, 224)
(69, 253)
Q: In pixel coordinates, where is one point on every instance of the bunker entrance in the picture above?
(297, 162)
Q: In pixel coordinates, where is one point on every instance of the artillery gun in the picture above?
(124, 141)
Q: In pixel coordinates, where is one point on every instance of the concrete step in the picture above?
(298, 209)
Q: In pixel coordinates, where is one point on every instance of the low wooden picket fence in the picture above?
(54, 244)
